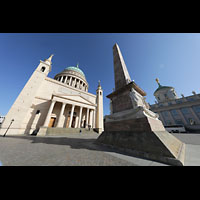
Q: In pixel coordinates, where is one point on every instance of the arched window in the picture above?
(43, 69)
(37, 112)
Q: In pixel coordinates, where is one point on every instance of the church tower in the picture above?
(99, 111)
(20, 107)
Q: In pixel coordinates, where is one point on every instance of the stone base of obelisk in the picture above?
(143, 137)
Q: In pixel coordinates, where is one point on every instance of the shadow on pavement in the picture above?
(75, 143)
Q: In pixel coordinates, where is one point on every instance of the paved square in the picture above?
(79, 150)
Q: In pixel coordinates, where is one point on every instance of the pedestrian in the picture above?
(80, 131)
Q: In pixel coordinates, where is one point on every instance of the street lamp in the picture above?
(8, 127)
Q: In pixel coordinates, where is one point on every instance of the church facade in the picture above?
(62, 102)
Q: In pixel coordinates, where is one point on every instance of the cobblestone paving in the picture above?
(79, 150)
(73, 150)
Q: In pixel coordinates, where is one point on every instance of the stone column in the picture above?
(82, 85)
(46, 123)
(70, 80)
(71, 116)
(61, 79)
(78, 84)
(87, 117)
(76, 122)
(91, 118)
(94, 119)
(75, 82)
(61, 114)
(65, 79)
(80, 117)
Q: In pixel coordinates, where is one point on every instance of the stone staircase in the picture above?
(66, 131)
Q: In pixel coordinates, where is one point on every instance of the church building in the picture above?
(60, 103)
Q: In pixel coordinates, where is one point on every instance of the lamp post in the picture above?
(8, 127)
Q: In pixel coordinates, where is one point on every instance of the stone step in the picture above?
(64, 131)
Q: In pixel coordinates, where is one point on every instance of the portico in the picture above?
(68, 112)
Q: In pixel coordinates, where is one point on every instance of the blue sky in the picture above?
(174, 58)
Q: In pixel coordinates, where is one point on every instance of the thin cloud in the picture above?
(162, 66)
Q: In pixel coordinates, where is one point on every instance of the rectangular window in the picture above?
(168, 123)
(196, 109)
(178, 101)
(179, 121)
(190, 99)
(165, 113)
(185, 110)
(174, 112)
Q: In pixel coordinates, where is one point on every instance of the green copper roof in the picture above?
(76, 69)
(162, 87)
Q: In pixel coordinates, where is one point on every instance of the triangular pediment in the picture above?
(76, 98)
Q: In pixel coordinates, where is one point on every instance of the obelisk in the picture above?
(132, 127)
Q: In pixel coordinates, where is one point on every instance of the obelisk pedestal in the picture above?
(132, 127)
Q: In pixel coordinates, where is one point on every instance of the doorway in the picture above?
(67, 124)
(52, 122)
(84, 124)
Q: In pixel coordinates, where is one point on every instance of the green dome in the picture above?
(162, 87)
(76, 69)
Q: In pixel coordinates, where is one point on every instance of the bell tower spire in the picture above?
(48, 61)
(99, 111)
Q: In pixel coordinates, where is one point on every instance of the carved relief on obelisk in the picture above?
(127, 94)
